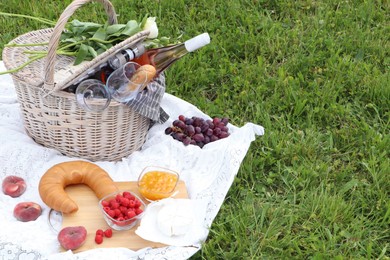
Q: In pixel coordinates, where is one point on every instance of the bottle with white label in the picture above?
(160, 58)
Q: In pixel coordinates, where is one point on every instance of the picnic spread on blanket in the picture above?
(98, 160)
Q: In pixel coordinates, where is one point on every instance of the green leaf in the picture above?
(111, 29)
(74, 23)
(92, 52)
(101, 45)
(81, 54)
(79, 28)
(131, 28)
(91, 27)
(100, 34)
(65, 36)
(69, 40)
(100, 51)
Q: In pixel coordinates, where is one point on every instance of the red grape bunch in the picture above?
(198, 131)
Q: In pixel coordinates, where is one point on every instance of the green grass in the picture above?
(315, 74)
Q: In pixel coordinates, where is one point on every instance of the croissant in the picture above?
(53, 182)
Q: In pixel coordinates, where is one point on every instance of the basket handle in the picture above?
(58, 29)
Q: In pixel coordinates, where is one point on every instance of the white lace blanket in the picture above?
(208, 173)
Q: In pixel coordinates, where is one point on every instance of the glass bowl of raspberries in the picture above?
(122, 210)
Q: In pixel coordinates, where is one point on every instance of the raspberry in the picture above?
(118, 197)
(117, 212)
(111, 213)
(131, 214)
(115, 205)
(128, 195)
(99, 239)
(99, 232)
(137, 204)
(123, 209)
(125, 202)
(131, 204)
(138, 211)
(105, 203)
(108, 232)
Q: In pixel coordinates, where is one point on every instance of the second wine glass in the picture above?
(92, 95)
(126, 82)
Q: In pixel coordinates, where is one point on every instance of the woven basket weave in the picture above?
(52, 117)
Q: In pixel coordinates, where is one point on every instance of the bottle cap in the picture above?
(197, 42)
(139, 50)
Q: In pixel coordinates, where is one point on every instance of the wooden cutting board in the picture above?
(90, 216)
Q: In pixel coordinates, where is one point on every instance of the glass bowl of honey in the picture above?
(157, 183)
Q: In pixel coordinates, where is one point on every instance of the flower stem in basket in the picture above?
(26, 44)
(32, 59)
(39, 19)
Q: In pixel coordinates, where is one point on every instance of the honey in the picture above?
(156, 185)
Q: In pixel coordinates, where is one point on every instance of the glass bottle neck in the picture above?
(165, 56)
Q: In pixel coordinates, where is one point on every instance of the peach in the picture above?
(27, 211)
(71, 238)
(14, 186)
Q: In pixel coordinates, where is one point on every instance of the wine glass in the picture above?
(92, 95)
(125, 83)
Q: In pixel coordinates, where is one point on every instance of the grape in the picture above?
(223, 134)
(204, 127)
(217, 131)
(174, 135)
(182, 137)
(182, 118)
(179, 136)
(216, 120)
(225, 120)
(189, 121)
(209, 132)
(224, 129)
(181, 125)
(197, 122)
(168, 130)
(211, 124)
(190, 130)
(176, 122)
(214, 138)
(187, 140)
(198, 137)
(198, 131)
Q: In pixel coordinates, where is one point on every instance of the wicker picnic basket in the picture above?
(52, 117)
